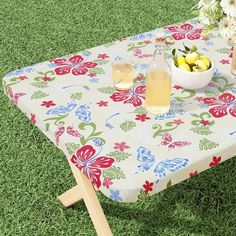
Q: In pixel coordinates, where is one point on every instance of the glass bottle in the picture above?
(158, 82)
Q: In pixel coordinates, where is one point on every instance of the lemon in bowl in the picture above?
(192, 70)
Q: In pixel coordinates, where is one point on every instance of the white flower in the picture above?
(229, 7)
(232, 25)
(227, 27)
(210, 14)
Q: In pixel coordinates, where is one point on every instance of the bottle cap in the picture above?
(160, 37)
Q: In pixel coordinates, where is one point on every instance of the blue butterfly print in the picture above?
(172, 165)
(216, 72)
(62, 109)
(141, 66)
(148, 161)
(86, 53)
(83, 113)
(170, 114)
(146, 158)
(141, 36)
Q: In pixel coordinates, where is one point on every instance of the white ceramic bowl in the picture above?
(191, 80)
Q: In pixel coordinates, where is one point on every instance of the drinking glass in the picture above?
(122, 74)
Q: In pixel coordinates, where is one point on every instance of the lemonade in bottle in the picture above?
(158, 83)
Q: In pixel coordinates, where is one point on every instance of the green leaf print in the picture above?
(224, 84)
(96, 70)
(188, 94)
(140, 110)
(224, 50)
(40, 84)
(119, 156)
(72, 147)
(92, 135)
(159, 130)
(127, 125)
(169, 184)
(142, 195)
(38, 94)
(107, 90)
(58, 120)
(101, 61)
(113, 173)
(76, 96)
(132, 46)
(212, 93)
(203, 130)
(206, 144)
(42, 75)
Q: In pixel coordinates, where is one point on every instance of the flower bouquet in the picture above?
(222, 14)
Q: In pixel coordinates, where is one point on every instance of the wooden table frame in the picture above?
(84, 190)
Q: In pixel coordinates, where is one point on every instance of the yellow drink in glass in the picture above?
(158, 90)
(122, 74)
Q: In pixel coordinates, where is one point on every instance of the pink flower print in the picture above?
(147, 41)
(103, 56)
(180, 32)
(192, 174)
(48, 104)
(91, 75)
(107, 182)
(75, 64)
(222, 61)
(33, 118)
(215, 161)
(121, 146)
(177, 87)
(148, 186)
(205, 122)
(133, 96)
(23, 77)
(142, 117)
(177, 122)
(91, 164)
(46, 78)
(225, 103)
(102, 104)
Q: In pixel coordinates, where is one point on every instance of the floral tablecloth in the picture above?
(107, 134)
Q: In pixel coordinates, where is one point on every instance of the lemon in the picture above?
(206, 60)
(200, 66)
(184, 67)
(181, 60)
(192, 57)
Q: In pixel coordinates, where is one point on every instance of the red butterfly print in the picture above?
(138, 53)
(14, 97)
(167, 140)
(72, 131)
(61, 130)
(90, 164)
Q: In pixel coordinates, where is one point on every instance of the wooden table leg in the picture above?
(71, 197)
(86, 191)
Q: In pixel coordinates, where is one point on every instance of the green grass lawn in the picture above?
(33, 172)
